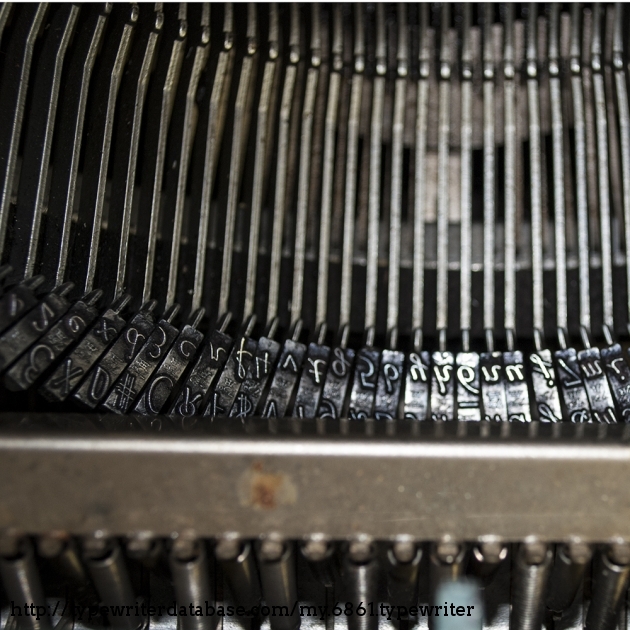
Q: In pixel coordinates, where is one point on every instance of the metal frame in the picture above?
(125, 475)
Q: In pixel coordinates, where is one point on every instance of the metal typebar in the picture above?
(602, 171)
(352, 160)
(466, 182)
(13, 102)
(443, 178)
(420, 178)
(374, 204)
(535, 166)
(332, 109)
(509, 93)
(242, 117)
(489, 183)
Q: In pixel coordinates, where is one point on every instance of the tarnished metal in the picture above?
(462, 483)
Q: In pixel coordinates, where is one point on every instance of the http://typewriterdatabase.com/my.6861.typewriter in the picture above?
(314, 315)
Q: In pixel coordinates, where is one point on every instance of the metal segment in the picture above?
(189, 126)
(420, 179)
(535, 168)
(374, 194)
(128, 147)
(489, 212)
(308, 113)
(557, 137)
(509, 95)
(38, 141)
(260, 168)
(98, 148)
(5, 11)
(72, 113)
(216, 120)
(624, 133)
(532, 565)
(332, 109)
(240, 134)
(579, 126)
(395, 213)
(21, 581)
(352, 158)
(601, 126)
(160, 108)
(14, 88)
(281, 187)
(466, 181)
(443, 198)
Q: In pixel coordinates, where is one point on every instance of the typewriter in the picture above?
(314, 315)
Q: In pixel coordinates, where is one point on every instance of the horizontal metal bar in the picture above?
(126, 475)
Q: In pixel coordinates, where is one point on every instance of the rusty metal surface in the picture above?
(122, 475)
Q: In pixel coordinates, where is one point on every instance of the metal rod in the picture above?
(216, 120)
(332, 109)
(276, 562)
(535, 171)
(239, 567)
(323, 562)
(420, 178)
(316, 37)
(580, 169)
(530, 572)
(122, 192)
(395, 213)
(374, 185)
(23, 587)
(151, 201)
(489, 210)
(111, 579)
(557, 136)
(5, 11)
(509, 95)
(280, 200)
(402, 54)
(486, 559)
(443, 199)
(191, 578)
(601, 126)
(466, 181)
(92, 204)
(624, 133)
(38, 142)
(12, 104)
(611, 574)
(260, 168)
(188, 136)
(239, 141)
(360, 571)
(352, 158)
(567, 574)
(308, 113)
(63, 183)
(63, 553)
(403, 564)
(228, 26)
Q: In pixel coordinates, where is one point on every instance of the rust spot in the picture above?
(265, 490)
